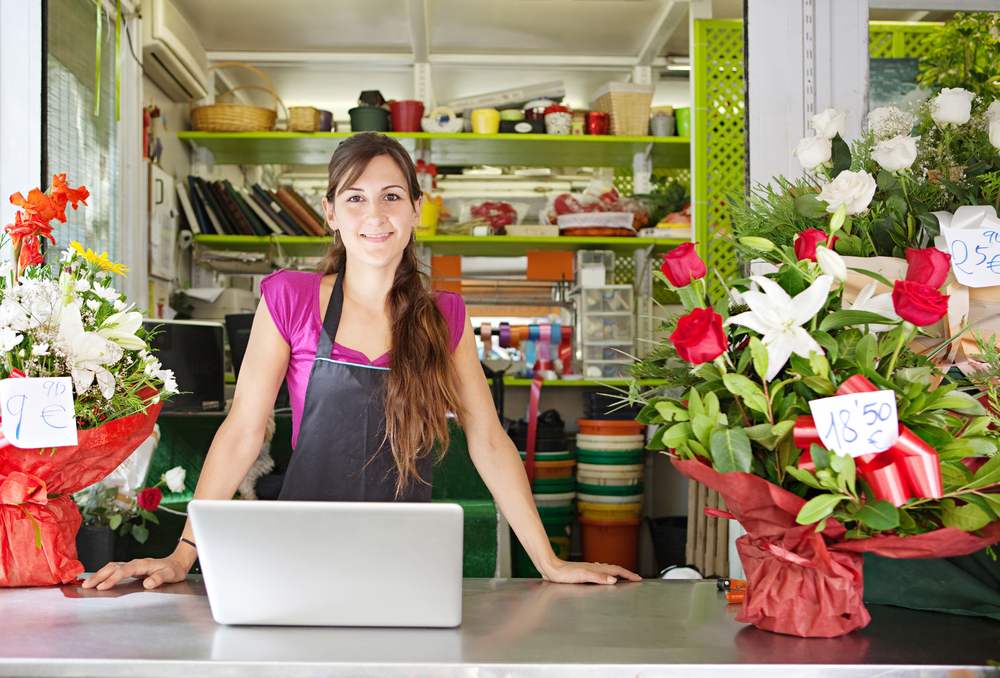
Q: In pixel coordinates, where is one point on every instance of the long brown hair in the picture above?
(420, 387)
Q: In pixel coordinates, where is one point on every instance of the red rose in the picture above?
(699, 337)
(682, 264)
(149, 499)
(919, 304)
(805, 244)
(928, 266)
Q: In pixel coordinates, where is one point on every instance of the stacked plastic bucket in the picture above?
(553, 485)
(609, 496)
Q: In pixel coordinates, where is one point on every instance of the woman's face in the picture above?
(375, 215)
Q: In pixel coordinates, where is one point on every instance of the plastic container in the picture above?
(550, 456)
(587, 489)
(611, 541)
(485, 121)
(547, 470)
(369, 119)
(593, 471)
(558, 120)
(610, 499)
(558, 522)
(611, 351)
(683, 121)
(610, 299)
(553, 485)
(602, 427)
(589, 441)
(406, 115)
(514, 114)
(599, 327)
(662, 126)
(550, 500)
(609, 512)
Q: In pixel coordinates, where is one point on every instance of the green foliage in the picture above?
(965, 53)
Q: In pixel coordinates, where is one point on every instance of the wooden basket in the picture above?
(225, 117)
(628, 105)
(303, 119)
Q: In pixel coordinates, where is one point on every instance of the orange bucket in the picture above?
(554, 469)
(611, 541)
(610, 427)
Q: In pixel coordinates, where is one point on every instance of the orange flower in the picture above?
(33, 226)
(31, 255)
(61, 194)
(38, 204)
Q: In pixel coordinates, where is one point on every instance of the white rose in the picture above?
(993, 112)
(831, 263)
(854, 190)
(830, 123)
(995, 133)
(175, 478)
(889, 121)
(813, 151)
(896, 153)
(952, 105)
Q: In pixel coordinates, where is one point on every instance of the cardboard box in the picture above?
(446, 267)
(533, 230)
(550, 265)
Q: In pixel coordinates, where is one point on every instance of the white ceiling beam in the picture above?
(671, 17)
(549, 61)
(947, 5)
(299, 58)
(419, 34)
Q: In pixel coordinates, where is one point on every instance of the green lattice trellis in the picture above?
(900, 39)
(719, 120)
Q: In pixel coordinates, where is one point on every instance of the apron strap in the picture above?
(331, 321)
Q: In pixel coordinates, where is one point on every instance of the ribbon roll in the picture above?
(533, 332)
(545, 332)
(504, 335)
(529, 449)
(556, 340)
(529, 352)
(485, 333)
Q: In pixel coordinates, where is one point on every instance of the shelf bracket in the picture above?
(423, 85)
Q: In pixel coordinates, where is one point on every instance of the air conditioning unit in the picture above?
(173, 57)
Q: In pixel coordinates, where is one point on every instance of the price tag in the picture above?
(975, 255)
(38, 412)
(858, 423)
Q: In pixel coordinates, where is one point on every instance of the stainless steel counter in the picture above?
(510, 628)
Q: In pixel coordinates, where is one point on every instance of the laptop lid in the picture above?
(331, 563)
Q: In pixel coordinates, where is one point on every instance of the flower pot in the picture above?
(406, 115)
(611, 541)
(369, 119)
(95, 547)
(557, 521)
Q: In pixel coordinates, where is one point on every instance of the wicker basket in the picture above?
(303, 119)
(224, 117)
(628, 105)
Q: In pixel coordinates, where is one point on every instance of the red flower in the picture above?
(149, 499)
(699, 337)
(34, 226)
(52, 206)
(682, 264)
(62, 194)
(928, 266)
(917, 303)
(31, 255)
(805, 244)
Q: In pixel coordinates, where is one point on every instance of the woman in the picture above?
(360, 431)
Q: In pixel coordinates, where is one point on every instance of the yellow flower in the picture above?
(102, 260)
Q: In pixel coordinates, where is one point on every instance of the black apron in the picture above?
(341, 453)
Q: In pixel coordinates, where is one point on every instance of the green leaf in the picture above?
(828, 343)
(751, 393)
(955, 475)
(844, 467)
(968, 517)
(803, 476)
(698, 449)
(818, 508)
(820, 456)
(819, 364)
(759, 354)
(913, 375)
(976, 426)
(649, 414)
(677, 434)
(841, 157)
(879, 515)
(906, 521)
(866, 351)
(957, 401)
(810, 206)
(671, 410)
(982, 446)
(993, 500)
(702, 425)
(980, 501)
(988, 475)
(839, 319)
(140, 533)
(821, 385)
(731, 451)
(873, 275)
(114, 522)
(695, 405)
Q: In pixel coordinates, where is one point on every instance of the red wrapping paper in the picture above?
(804, 583)
(29, 477)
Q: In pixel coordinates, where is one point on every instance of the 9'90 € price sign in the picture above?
(38, 412)
(858, 423)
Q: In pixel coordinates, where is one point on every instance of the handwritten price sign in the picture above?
(38, 412)
(857, 424)
(975, 255)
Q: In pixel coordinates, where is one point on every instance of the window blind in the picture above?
(80, 144)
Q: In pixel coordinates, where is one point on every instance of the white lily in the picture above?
(123, 327)
(88, 353)
(831, 263)
(778, 318)
(881, 304)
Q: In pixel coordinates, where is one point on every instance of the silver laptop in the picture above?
(293, 563)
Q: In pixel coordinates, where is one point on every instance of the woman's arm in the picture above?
(500, 466)
(234, 449)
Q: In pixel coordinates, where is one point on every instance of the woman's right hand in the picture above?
(156, 571)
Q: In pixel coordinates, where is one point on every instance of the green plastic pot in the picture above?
(369, 119)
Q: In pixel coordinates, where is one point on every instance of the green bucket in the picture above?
(369, 119)
(609, 490)
(621, 458)
(550, 456)
(683, 121)
(553, 485)
(558, 522)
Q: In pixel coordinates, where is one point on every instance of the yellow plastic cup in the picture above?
(486, 121)
(428, 218)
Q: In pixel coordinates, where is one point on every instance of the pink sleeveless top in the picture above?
(292, 297)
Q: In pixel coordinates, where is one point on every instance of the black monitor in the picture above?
(238, 327)
(195, 351)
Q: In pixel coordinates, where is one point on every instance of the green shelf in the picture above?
(514, 381)
(315, 148)
(497, 245)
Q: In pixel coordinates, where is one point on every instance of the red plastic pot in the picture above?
(406, 115)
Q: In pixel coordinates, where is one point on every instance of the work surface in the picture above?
(511, 627)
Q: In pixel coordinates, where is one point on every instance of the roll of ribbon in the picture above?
(184, 239)
(533, 332)
(486, 334)
(441, 113)
(544, 332)
(504, 335)
(556, 340)
(529, 352)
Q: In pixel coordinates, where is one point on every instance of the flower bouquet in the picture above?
(910, 175)
(65, 319)
(107, 504)
(893, 465)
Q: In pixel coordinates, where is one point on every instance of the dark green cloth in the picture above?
(966, 585)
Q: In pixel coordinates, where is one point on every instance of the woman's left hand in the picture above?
(586, 573)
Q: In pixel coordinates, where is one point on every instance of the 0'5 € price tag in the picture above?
(38, 412)
(975, 255)
(858, 423)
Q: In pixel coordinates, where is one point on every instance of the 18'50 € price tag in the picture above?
(38, 412)
(858, 423)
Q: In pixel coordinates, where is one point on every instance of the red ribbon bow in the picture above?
(910, 468)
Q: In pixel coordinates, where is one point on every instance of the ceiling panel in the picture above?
(595, 27)
(300, 25)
